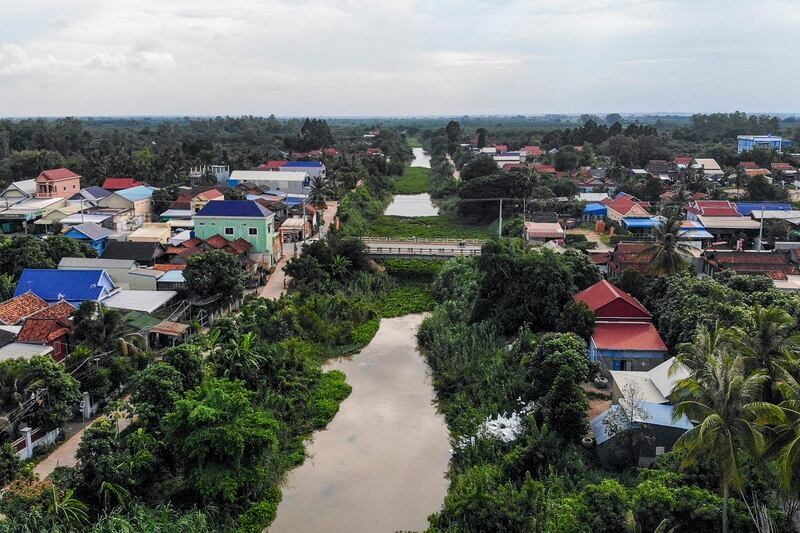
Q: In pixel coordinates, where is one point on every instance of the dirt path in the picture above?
(591, 236)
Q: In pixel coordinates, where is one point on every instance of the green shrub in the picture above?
(408, 299)
(363, 334)
(261, 514)
(413, 269)
(331, 390)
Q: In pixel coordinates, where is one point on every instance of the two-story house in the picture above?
(57, 183)
(241, 219)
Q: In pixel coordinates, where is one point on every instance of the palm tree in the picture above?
(319, 190)
(665, 251)
(786, 442)
(340, 266)
(707, 343)
(724, 402)
(239, 360)
(768, 342)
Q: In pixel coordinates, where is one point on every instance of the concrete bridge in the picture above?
(399, 248)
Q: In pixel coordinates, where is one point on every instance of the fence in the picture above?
(424, 252)
(32, 439)
(471, 242)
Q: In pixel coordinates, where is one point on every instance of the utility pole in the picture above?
(760, 228)
(500, 220)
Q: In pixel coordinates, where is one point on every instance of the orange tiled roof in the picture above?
(24, 305)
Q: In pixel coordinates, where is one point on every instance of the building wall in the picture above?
(636, 360)
(206, 227)
(57, 189)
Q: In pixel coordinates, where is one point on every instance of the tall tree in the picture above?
(666, 249)
(725, 402)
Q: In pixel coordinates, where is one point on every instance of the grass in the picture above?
(413, 142)
(407, 299)
(416, 180)
(443, 226)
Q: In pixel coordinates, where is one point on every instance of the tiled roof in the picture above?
(636, 336)
(116, 184)
(240, 246)
(19, 307)
(271, 165)
(56, 174)
(60, 309)
(781, 166)
(42, 330)
(544, 169)
(748, 164)
(217, 241)
(234, 208)
(629, 255)
(168, 267)
(775, 264)
(608, 301)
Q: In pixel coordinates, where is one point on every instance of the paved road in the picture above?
(278, 281)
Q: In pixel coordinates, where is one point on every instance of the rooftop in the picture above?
(608, 301)
(235, 208)
(637, 336)
(56, 174)
(19, 307)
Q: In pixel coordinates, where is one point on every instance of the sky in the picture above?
(396, 57)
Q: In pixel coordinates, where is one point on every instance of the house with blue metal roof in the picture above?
(312, 168)
(745, 208)
(241, 219)
(73, 286)
(655, 421)
(91, 234)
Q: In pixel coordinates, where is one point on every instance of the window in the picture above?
(252, 231)
(65, 187)
(228, 231)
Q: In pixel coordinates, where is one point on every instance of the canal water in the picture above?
(380, 465)
(414, 205)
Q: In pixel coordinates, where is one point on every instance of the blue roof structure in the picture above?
(745, 208)
(595, 209)
(301, 164)
(137, 193)
(657, 414)
(647, 223)
(74, 286)
(234, 209)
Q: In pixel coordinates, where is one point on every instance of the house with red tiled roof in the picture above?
(330, 152)
(273, 165)
(710, 208)
(626, 206)
(631, 255)
(610, 303)
(624, 337)
(747, 165)
(542, 168)
(17, 309)
(501, 148)
(778, 265)
(531, 151)
(784, 169)
(120, 184)
(57, 183)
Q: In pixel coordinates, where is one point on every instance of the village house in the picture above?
(656, 422)
(88, 197)
(626, 206)
(710, 167)
(144, 253)
(653, 386)
(624, 337)
(119, 184)
(137, 202)
(290, 182)
(91, 234)
(73, 286)
(152, 232)
(778, 265)
(125, 273)
(241, 219)
(49, 327)
(17, 191)
(314, 169)
(57, 183)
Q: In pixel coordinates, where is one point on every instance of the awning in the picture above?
(650, 222)
(173, 329)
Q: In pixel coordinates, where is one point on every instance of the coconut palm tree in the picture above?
(786, 443)
(239, 360)
(707, 343)
(768, 341)
(319, 190)
(665, 251)
(724, 403)
(340, 266)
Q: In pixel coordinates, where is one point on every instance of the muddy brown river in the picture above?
(380, 464)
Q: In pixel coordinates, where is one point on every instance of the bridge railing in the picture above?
(425, 240)
(427, 252)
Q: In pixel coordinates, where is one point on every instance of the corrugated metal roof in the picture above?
(234, 208)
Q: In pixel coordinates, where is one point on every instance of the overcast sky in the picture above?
(397, 57)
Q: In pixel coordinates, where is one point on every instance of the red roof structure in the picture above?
(612, 303)
(501, 148)
(776, 264)
(630, 255)
(43, 330)
(633, 336)
(544, 169)
(713, 208)
(532, 151)
(273, 165)
(682, 160)
(59, 310)
(14, 310)
(119, 184)
(748, 164)
(782, 167)
(56, 174)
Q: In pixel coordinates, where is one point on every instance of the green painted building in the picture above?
(241, 219)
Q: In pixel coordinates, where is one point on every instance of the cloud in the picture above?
(15, 60)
